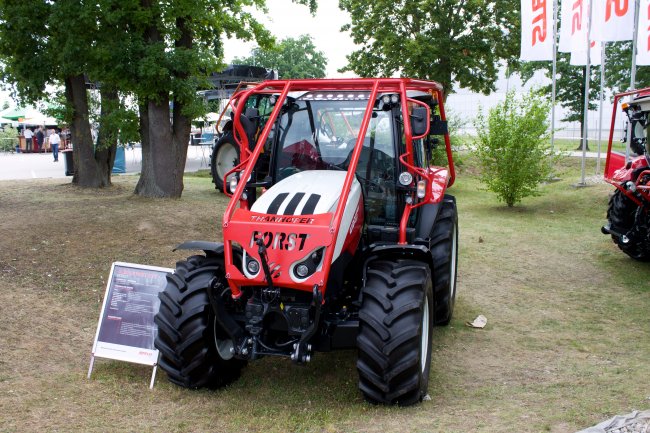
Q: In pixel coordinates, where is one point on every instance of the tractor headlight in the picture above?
(233, 184)
(405, 178)
(309, 265)
(394, 98)
(422, 188)
(302, 270)
(252, 266)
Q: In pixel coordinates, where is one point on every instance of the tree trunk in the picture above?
(91, 169)
(164, 140)
(163, 156)
(106, 138)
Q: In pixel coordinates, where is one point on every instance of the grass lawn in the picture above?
(566, 346)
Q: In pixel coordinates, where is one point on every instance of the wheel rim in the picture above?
(452, 268)
(226, 157)
(424, 343)
(224, 347)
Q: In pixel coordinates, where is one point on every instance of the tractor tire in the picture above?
(225, 156)
(444, 252)
(194, 349)
(394, 340)
(621, 215)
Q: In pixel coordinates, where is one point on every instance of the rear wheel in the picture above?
(195, 351)
(621, 215)
(444, 251)
(394, 340)
(225, 156)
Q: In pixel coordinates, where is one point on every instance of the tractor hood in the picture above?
(306, 193)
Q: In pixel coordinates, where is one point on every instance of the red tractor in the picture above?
(338, 235)
(628, 221)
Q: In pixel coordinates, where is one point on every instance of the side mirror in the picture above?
(438, 127)
(419, 122)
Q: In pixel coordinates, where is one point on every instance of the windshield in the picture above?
(319, 131)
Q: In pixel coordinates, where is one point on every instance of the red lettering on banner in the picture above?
(648, 49)
(619, 6)
(539, 28)
(576, 18)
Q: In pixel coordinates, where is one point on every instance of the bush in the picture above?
(8, 139)
(513, 147)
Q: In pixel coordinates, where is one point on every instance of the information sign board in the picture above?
(126, 328)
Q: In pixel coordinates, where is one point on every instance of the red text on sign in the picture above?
(539, 21)
(576, 17)
(618, 6)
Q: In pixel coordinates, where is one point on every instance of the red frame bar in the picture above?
(375, 85)
(611, 128)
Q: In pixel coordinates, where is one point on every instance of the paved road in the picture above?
(16, 166)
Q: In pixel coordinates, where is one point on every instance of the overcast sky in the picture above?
(287, 19)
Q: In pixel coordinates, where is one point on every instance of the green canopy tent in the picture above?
(13, 114)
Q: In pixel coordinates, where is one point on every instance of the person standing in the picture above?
(55, 140)
(40, 138)
(29, 135)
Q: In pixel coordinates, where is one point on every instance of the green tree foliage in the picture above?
(512, 147)
(166, 56)
(618, 68)
(44, 43)
(448, 41)
(570, 85)
(292, 58)
(159, 52)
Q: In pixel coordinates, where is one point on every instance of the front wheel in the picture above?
(195, 351)
(225, 156)
(394, 340)
(621, 216)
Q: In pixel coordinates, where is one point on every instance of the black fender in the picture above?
(428, 215)
(396, 251)
(209, 248)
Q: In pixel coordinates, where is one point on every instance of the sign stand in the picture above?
(126, 330)
(153, 373)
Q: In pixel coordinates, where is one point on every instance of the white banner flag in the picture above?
(565, 27)
(643, 36)
(573, 30)
(579, 57)
(536, 30)
(612, 20)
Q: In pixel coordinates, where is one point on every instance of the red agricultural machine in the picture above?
(338, 235)
(628, 221)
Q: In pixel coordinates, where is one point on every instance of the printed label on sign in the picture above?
(539, 21)
(126, 329)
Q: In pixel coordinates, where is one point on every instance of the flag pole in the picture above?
(632, 75)
(603, 59)
(555, 8)
(585, 127)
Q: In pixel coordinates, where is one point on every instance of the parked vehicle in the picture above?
(338, 235)
(628, 221)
